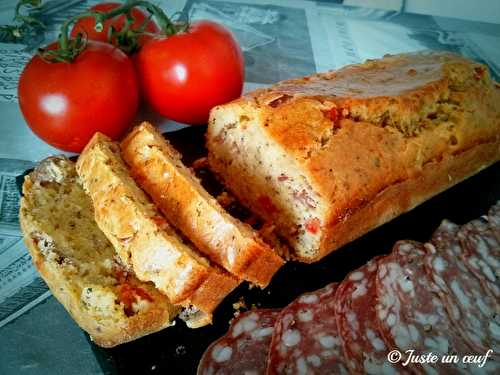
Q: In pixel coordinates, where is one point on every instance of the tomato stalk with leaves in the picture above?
(123, 25)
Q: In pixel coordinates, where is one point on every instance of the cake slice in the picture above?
(78, 263)
(328, 157)
(158, 169)
(143, 239)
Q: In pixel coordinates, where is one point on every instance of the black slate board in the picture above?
(177, 350)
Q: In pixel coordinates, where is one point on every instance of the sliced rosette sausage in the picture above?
(481, 254)
(305, 338)
(244, 349)
(411, 316)
(494, 220)
(478, 238)
(364, 350)
(465, 299)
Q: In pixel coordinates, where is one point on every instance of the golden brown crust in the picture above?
(156, 166)
(211, 293)
(142, 237)
(435, 177)
(349, 135)
(397, 91)
(69, 270)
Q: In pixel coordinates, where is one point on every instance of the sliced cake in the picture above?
(158, 169)
(143, 239)
(79, 264)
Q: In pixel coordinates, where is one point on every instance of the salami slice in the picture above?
(410, 314)
(478, 238)
(465, 299)
(364, 349)
(481, 254)
(244, 349)
(305, 338)
(494, 220)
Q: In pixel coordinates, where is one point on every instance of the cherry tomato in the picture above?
(66, 103)
(183, 76)
(86, 25)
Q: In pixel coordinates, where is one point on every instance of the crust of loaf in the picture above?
(369, 141)
(69, 272)
(142, 237)
(435, 177)
(158, 169)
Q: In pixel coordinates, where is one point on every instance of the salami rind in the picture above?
(305, 338)
(465, 299)
(244, 349)
(364, 350)
(411, 316)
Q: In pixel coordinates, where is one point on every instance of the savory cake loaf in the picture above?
(158, 169)
(78, 263)
(143, 239)
(328, 157)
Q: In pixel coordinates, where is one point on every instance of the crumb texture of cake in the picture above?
(143, 239)
(328, 157)
(158, 169)
(79, 264)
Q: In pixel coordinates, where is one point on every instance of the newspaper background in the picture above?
(280, 40)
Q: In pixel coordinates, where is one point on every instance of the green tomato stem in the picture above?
(164, 22)
(63, 36)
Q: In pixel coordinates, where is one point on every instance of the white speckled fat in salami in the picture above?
(244, 349)
(411, 316)
(364, 350)
(468, 304)
(305, 339)
(481, 254)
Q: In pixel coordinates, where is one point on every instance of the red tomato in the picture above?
(183, 76)
(86, 25)
(66, 103)
(313, 225)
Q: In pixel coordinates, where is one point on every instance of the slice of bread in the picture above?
(143, 239)
(78, 263)
(158, 169)
(328, 157)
